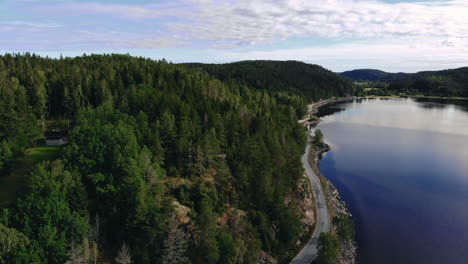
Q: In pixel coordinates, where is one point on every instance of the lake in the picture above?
(401, 165)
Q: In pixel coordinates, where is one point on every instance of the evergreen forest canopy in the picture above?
(365, 75)
(447, 83)
(164, 163)
(311, 81)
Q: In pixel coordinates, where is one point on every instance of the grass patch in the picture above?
(12, 183)
(35, 155)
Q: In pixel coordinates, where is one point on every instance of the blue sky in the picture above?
(392, 35)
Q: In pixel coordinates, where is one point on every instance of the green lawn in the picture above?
(10, 184)
(38, 154)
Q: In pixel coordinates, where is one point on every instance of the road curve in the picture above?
(309, 252)
(312, 109)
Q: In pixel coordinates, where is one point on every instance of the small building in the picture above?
(55, 138)
(56, 141)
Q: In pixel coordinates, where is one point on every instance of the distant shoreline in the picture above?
(437, 97)
(412, 96)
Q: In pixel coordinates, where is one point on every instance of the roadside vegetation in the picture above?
(332, 244)
(313, 118)
(318, 138)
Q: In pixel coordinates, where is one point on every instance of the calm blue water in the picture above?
(402, 168)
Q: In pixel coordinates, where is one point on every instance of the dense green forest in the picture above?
(311, 81)
(447, 83)
(372, 75)
(164, 163)
(450, 83)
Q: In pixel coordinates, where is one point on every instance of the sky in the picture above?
(391, 35)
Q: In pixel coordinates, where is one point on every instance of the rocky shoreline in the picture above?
(336, 205)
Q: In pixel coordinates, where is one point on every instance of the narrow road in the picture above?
(312, 109)
(309, 252)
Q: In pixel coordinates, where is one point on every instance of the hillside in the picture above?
(451, 83)
(364, 75)
(312, 81)
(164, 163)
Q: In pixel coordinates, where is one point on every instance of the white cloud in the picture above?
(254, 21)
(429, 35)
(125, 11)
(247, 22)
(386, 54)
(30, 24)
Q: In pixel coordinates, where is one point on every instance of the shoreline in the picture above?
(413, 96)
(336, 206)
(316, 157)
(332, 197)
(309, 251)
(312, 109)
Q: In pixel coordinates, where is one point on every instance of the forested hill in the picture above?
(452, 82)
(364, 75)
(311, 81)
(164, 164)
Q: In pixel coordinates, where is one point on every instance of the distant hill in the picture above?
(453, 82)
(363, 75)
(436, 83)
(296, 77)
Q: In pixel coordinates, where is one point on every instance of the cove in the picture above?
(401, 165)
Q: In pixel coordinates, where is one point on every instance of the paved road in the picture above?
(309, 252)
(312, 109)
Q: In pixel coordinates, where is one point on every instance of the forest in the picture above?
(448, 83)
(310, 81)
(445, 83)
(164, 163)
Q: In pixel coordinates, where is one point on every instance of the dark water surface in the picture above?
(401, 165)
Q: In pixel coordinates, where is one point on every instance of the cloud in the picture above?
(125, 11)
(433, 31)
(254, 21)
(36, 38)
(390, 55)
(29, 24)
(249, 22)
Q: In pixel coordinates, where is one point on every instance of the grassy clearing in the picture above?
(38, 154)
(11, 183)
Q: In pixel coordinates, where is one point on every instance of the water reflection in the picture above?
(401, 165)
(461, 104)
(330, 110)
(402, 113)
